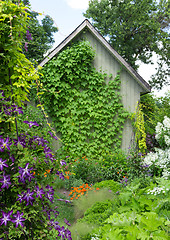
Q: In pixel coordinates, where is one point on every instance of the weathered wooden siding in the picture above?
(130, 89)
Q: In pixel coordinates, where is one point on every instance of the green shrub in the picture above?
(87, 170)
(109, 184)
(114, 165)
(99, 212)
(87, 201)
(72, 182)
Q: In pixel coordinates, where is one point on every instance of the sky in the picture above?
(67, 15)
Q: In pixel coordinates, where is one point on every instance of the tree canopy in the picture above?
(135, 29)
(39, 38)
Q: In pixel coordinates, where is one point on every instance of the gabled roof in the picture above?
(87, 25)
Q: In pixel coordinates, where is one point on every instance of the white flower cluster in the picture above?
(95, 238)
(158, 190)
(167, 140)
(166, 173)
(161, 158)
(163, 129)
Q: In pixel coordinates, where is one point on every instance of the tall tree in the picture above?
(39, 37)
(136, 29)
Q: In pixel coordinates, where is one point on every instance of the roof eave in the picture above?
(87, 24)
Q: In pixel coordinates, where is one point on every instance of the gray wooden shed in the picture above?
(109, 61)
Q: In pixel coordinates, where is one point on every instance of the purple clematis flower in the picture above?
(31, 123)
(49, 196)
(19, 110)
(68, 234)
(3, 164)
(18, 219)
(16, 109)
(5, 144)
(40, 140)
(25, 173)
(21, 196)
(63, 200)
(52, 135)
(50, 188)
(61, 232)
(12, 158)
(60, 174)
(28, 35)
(28, 197)
(20, 141)
(5, 181)
(54, 224)
(62, 162)
(39, 192)
(26, 170)
(5, 217)
(67, 222)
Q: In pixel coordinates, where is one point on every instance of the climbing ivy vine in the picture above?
(86, 111)
(139, 129)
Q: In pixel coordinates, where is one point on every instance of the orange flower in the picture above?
(48, 171)
(97, 188)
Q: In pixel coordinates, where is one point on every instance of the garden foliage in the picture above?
(137, 212)
(28, 166)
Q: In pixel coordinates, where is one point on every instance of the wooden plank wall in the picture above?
(130, 89)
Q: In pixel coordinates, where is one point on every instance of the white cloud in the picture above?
(78, 4)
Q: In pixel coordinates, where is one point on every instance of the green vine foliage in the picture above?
(139, 127)
(17, 72)
(86, 111)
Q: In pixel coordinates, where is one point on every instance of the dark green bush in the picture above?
(109, 184)
(99, 212)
